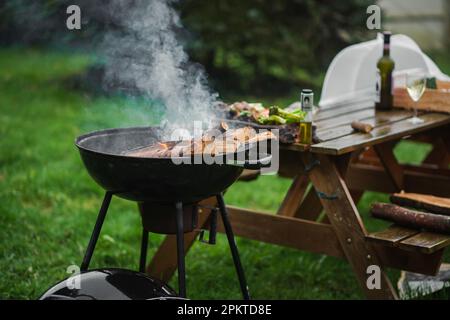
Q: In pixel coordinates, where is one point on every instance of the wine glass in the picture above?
(415, 85)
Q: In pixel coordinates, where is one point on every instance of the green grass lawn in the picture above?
(48, 203)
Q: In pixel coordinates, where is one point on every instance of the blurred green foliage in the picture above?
(253, 47)
(267, 45)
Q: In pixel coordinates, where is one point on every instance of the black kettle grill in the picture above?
(167, 194)
(110, 284)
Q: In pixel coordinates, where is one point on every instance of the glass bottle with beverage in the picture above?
(307, 101)
(385, 66)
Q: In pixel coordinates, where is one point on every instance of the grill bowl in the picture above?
(149, 179)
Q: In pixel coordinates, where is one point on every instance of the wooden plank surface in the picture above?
(344, 119)
(337, 136)
(388, 132)
(286, 231)
(377, 119)
(426, 242)
(392, 236)
(345, 108)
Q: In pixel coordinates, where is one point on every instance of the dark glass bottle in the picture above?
(385, 67)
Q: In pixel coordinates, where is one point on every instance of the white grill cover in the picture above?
(351, 75)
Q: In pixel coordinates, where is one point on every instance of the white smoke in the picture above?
(143, 52)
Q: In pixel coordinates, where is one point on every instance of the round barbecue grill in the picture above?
(109, 284)
(104, 154)
(167, 192)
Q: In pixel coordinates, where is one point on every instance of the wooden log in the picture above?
(361, 126)
(422, 201)
(411, 218)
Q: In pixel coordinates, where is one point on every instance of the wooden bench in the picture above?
(410, 239)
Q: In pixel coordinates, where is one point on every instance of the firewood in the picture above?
(411, 218)
(361, 126)
(422, 201)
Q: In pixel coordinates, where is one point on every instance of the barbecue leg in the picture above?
(233, 247)
(96, 232)
(144, 246)
(180, 250)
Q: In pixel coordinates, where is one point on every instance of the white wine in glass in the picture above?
(415, 84)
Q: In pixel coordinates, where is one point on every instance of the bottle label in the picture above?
(306, 99)
(378, 87)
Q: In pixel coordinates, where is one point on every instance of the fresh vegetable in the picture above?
(273, 119)
(290, 117)
(245, 113)
(298, 111)
(256, 112)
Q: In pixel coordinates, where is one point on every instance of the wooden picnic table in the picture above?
(340, 169)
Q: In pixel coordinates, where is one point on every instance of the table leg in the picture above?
(311, 207)
(438, 155)
(345, 219)
(385, 152)
(293, 199)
